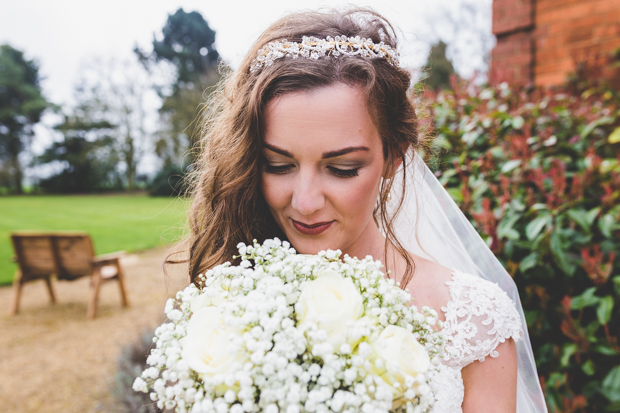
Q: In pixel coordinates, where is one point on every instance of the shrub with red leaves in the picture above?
(538, 174)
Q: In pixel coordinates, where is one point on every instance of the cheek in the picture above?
(273, 190)
(359, 198)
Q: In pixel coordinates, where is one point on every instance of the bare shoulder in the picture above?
(428, 286)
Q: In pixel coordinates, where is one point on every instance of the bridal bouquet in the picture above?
(284, 332)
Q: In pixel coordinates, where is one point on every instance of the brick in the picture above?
(548, 67)
(550, 79)
(511, 15)
(581, 9)
(579, 36)
(588, 21)
(565, 32)
(550, 55)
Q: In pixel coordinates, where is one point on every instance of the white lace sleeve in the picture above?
(479, 316)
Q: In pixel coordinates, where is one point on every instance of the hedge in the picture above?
(537, 172)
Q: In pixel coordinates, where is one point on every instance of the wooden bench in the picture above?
(67, 256)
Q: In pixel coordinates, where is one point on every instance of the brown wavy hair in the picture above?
(228, 206)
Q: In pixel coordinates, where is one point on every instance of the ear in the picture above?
(391, 167)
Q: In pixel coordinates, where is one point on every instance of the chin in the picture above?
(308, 246)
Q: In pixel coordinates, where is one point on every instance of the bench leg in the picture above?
(17, 292)
(94, 293)
(121, 285)
(48, 281)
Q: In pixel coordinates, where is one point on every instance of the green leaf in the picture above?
(608, 165)
(592, 214)
(603, 311)
(606, 225)
(606, 120)
(588, 368)
(611, 385)
(588, 93)
(580, 217)
(605, 350)
(614, 137)
(517, 205)
(504, 228)
(532, 317)
(590, 331)
(479, 190)
(497, 152)
(568, 350)
(456, 195)
(445, 177)
(529, 262)
(616, 281)
(441, 142)
(556, 379)
(533, 228)
(517, 122)
(470, 137)
(537, 207)
(613, 407)
(510, 165)
(560, 255)
(512, 234)
(586, 299)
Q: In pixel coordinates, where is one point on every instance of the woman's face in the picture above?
(323, 168)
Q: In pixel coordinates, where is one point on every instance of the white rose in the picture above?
(214, 295)
(402, 356)
(206, 347)
(332, 301)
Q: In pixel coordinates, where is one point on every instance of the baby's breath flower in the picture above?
(265, 346)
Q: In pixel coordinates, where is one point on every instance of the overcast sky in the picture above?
(62, 34)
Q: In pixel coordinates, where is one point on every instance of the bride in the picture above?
(312, 139)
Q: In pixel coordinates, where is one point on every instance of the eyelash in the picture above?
(340, 173)
(277, 169)
(343, 173)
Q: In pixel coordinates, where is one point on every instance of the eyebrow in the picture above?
(344, 151)
(326, 155)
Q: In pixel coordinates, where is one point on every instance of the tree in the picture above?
(21, 106)
(188, 43)
(121, 92)
(439, 68)
(115, 98)
(87, 166)
(86, 156)
(465, 26)
(188, 46)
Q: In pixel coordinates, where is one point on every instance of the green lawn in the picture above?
(115, 222)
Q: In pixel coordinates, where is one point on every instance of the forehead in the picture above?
(327, 118)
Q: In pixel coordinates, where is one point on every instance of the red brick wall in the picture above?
(572, 31)
(543, 41)
(512, 58)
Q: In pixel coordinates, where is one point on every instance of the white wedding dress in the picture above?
(479, 316)
(484, 308)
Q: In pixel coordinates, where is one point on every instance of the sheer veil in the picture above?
(431, 225)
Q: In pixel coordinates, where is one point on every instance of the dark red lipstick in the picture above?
(312, 229)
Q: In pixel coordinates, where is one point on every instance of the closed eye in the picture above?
(338, 172)
(278, 169)
(343, 173)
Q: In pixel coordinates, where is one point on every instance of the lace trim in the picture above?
(479, 317)
(447, 385)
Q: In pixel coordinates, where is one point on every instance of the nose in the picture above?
(308, 195)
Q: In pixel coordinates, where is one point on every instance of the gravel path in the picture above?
(53, 359)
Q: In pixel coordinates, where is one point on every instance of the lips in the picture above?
(312, 229)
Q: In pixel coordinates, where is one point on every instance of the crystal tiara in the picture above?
(313, 48)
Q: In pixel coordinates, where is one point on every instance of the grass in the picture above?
(115, 222)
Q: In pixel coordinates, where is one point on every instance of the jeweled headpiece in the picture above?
(314, 48)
